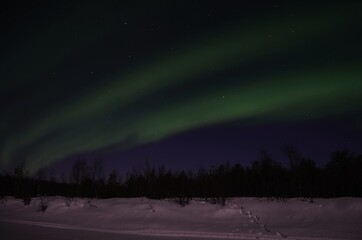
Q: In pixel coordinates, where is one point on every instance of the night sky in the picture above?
(187, 84)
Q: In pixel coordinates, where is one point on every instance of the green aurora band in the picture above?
(90, 123)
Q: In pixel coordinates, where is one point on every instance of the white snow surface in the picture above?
(241, 218)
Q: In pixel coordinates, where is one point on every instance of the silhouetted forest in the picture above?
(263, 178)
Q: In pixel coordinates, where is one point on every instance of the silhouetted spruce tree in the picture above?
(78, 174)
(308, 174)
(294, 160)
(97, 177)
(113, 184)
(344, 174)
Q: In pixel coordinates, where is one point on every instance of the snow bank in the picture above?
(241, 217)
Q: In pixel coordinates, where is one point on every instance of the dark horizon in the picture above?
(299, 177)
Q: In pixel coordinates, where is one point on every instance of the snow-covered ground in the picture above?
(139, 218)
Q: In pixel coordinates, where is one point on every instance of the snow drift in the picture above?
(241, 218)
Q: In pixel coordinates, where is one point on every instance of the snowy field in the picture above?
(141, 218)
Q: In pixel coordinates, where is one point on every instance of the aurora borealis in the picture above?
(83, 77)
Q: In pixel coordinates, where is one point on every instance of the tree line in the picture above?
(341, 176)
